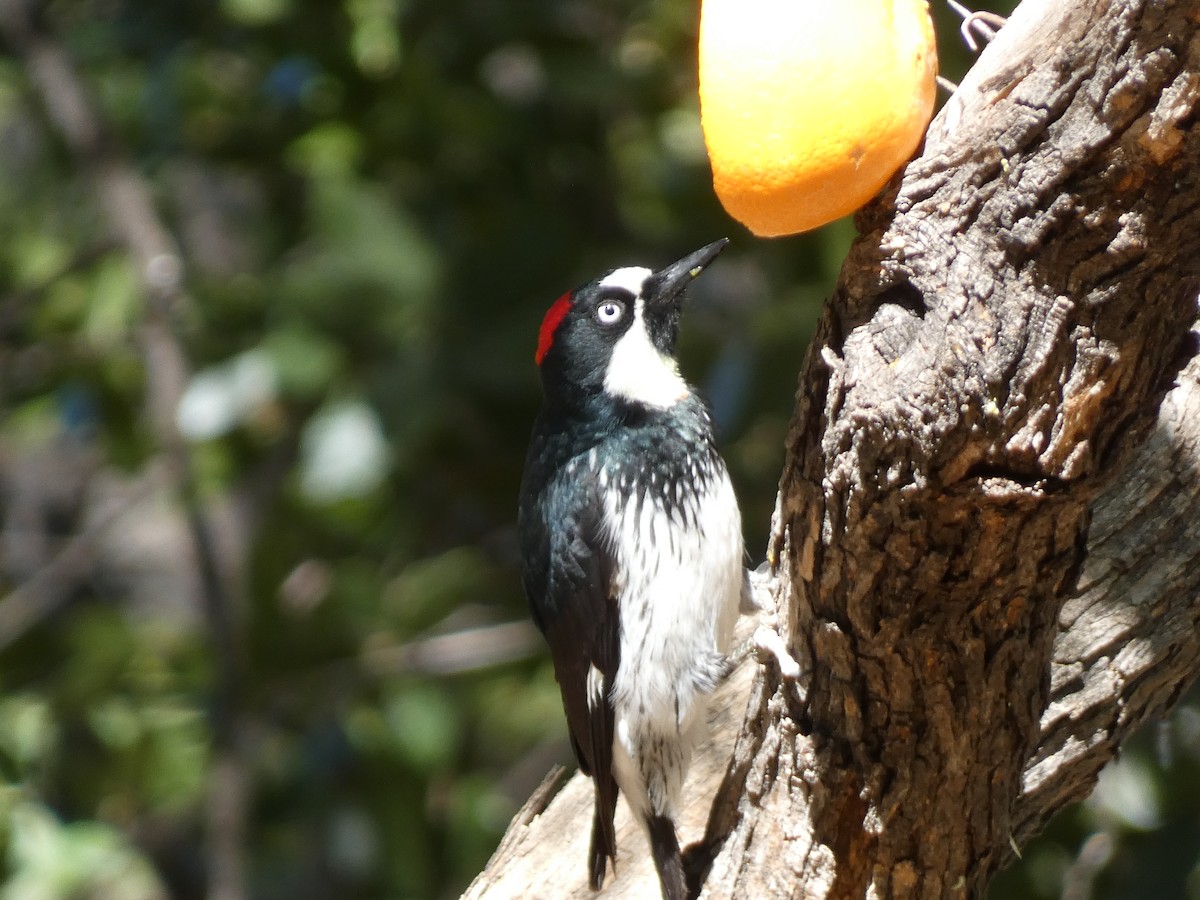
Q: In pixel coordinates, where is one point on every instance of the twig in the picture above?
(458, 652)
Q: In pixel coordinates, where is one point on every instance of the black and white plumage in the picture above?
(631, 546)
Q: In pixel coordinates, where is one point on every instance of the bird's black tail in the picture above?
(604, 836)
(664, 846)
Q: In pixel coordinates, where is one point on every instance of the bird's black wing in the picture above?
(568, 575)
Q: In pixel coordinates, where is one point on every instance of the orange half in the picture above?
(810, 106)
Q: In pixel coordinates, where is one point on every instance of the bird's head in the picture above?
(616, 335)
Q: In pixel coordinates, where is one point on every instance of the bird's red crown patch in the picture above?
(550, 322)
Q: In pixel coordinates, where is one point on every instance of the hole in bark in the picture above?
(1033, 481)
(905, 296)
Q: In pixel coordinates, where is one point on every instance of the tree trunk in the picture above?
(985, 531)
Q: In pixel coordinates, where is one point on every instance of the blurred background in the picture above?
(271, 273)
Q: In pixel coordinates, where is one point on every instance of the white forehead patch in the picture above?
(631, 278)
(638, 371)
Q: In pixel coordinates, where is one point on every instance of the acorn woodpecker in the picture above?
(631, 547)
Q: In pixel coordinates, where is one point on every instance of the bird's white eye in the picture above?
(610, 312)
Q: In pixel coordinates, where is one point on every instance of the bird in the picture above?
(631, 547)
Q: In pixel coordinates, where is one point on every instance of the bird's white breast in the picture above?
(678, 584)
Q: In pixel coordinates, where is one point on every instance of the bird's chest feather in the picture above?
(674, 532)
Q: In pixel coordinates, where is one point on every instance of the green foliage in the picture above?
(375, 200)
(49, 859)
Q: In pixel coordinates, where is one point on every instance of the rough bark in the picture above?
(985, 527)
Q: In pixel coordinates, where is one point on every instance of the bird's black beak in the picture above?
(667, 284)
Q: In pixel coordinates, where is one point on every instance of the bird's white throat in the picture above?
(640, 372)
